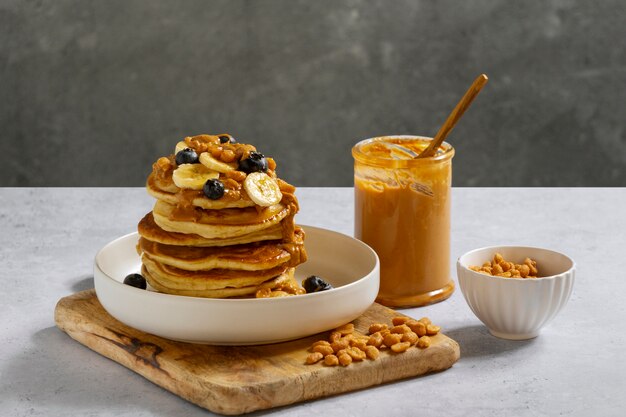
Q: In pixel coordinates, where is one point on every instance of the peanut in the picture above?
(403, 328)
(360, 344)
(399, 320)
(524, 270)
(377, 327)
(356, 353)
(375, 339)
(324, 350)
(400, 347)
(334, 336)
(345, 329)
(391, 339)
(344, 359)
(227, 156)
(502, 268)
(417, 327)
(432, 330)
(410, 337)
(331, 360)
(372, 352)
(423, 342)
(337, 345)
(216, 151)
(314, 358)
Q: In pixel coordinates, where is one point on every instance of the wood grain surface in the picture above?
(240, 379)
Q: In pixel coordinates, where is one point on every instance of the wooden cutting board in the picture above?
(241, 379)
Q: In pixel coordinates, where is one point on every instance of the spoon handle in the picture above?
(454, 117)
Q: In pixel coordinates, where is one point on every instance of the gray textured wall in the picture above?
(92, 92)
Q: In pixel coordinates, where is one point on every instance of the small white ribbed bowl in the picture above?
(516, 308)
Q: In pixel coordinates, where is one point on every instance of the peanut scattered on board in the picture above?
(345, 346)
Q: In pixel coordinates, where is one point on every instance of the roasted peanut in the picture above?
(377, 327)
(356, 353)
(392, 339)
(331, 360)
(345, 329)
(334, 336)
(271, 164)
(502, 268)
(238, 176)
(314, 358)
(417, 327)
(400, 347)
(360, 344)
(401, 329)
(216, 151)
(399, 320)
(524, 270)
(423, 342)
(410, 337)
(337, 345)
(432, 330)
(497, 269)
(344, 359)
(372, 352)
(375, 339)
(227, 156)
(324, 350)
(349, 338)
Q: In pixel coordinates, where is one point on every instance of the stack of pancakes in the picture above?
(197, 244)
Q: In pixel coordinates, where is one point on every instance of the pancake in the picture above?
(213, 279)
(167, 192)
(224, 231)
(280, 281)
(219, 224)
(247, 257)
(150, 230)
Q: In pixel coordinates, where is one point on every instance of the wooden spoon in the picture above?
(455, 116)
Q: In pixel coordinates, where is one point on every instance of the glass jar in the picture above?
(402, 210)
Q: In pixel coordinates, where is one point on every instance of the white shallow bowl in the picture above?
(349, 265)
(516, 308)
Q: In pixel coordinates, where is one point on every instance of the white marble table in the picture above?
(48, 238)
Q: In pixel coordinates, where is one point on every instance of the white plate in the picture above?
(348, 264)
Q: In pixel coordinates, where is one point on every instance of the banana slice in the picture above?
(262, 189)
(180, 146)
(192, 176)
(213, 164)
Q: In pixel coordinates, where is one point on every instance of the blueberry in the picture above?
(315, 284)
(186, 156)
(253, 163)
(135, 280)
(213, 189)
(226, 139)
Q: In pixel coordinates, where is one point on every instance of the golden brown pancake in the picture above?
(249, 257)
(285, 278)
(151, 231)
(219, 224)
(212, 279)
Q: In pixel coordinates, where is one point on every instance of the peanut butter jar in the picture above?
(402, 210)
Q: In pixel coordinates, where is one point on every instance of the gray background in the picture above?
(93, 92)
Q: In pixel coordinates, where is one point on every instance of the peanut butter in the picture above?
(402, 210)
